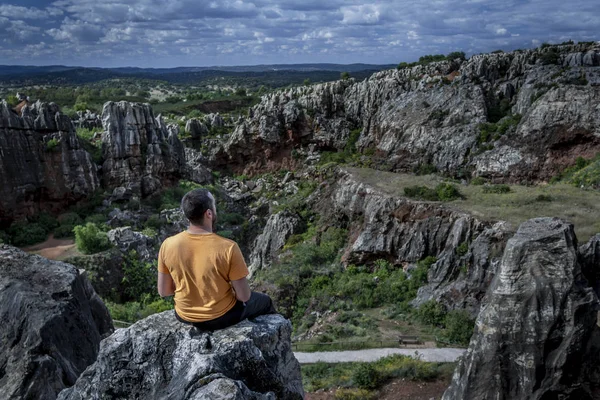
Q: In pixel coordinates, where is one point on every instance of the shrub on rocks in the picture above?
(90, 239)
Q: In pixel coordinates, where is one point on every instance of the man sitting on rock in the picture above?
(206, 272)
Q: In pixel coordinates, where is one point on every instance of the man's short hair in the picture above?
(195, 203)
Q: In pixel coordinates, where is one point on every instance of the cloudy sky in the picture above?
(169, 33)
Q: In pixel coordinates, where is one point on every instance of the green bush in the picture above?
(496, 189)
(366, 376)
(354, 394)
(462, 249)
(90, 239)
(431, 313)
(52, 144)
(139, 278)
(478, 181)
(25, 234)
(459, 326)
(442, 192)
(134, 311)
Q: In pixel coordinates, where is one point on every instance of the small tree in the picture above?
(307, 82)
(12, 100)
(345, 75)
(90, 239)
(240, 92)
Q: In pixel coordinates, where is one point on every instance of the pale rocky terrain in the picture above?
(532, 288)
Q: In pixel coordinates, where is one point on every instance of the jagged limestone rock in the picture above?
(278, 229)
(140, 152)
(42, 164)
(432, 114)
(52, 324)
(536, 336)
(127, 240)
(159, 357)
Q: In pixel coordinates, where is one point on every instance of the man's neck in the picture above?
(199, 230)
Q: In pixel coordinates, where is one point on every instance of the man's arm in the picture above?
(166, 286)
(242, 289)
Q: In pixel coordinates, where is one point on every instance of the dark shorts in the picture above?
(259, 304)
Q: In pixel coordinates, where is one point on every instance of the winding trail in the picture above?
(369, 355)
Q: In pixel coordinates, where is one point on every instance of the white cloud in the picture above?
(361, 15)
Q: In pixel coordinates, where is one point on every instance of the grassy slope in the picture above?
(581, 207)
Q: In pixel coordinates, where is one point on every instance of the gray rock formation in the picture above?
(127, 240)
(589, 258)
(42, 164)
(404, 231)
(196, 129)
(431, 114)
(160, 357)
(278, 229)
(105, 271)
(52, 324)
(88, 120)
(536, 336)
(140, 152)
(195, 167)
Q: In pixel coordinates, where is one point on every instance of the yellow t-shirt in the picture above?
(202, 267)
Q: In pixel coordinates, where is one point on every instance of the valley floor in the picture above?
(398, 389)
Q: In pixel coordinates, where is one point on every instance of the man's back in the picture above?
(202, 267)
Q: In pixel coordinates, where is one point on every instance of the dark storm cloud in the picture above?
(193, 32)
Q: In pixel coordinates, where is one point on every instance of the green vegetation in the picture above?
(585, 173)
(345, 76)
(442, 192)
(94, 147)
(90, 239)
(370, 376)
(139, 278)
(135, 310)
(493, 131)
(52, 144)
(350, 152)
(568, 201)
(497, 189)
(428, 59)
(457, 325)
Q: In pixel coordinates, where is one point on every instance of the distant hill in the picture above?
(274, 75)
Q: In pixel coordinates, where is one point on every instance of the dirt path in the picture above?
(53, 249)
(370, 355)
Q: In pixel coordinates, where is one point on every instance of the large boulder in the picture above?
(159, 358)
(127, 240)
(52, 325)
(536, 336)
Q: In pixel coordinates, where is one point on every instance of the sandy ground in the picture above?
(53, 249)
(370, 355)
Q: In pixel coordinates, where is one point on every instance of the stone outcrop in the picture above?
(536, 336)
(195, 167)
(139, 151)
(127, 240)
(196, 129)
(42, 163)
(52, 324)
(159, 357)
(278, 229)
(88, 120)
(432, 114)
(403, 231)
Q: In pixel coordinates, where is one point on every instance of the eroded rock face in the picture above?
(536, 336)
(432, 114)
(53, 322)
(42, 164)
(127, 240)
(278, 229)
(159, 357)
(140, 152)
(404, 231)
